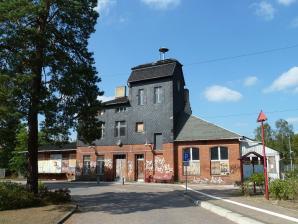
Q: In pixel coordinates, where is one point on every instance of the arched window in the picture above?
(219, 157)
(194, 163)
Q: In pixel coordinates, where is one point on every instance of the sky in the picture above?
(239, 57)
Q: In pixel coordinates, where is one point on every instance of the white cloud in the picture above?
(103, 6)
(264, 10)
(105, 98)
(217, 93)
(250, 81)
(162, 4)
(294, 23)
(286, 81)
(286, 2)
(292, 120)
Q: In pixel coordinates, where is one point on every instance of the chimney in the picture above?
(187, 107)
(120, 91)
(162, 52)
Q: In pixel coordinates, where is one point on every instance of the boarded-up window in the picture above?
(219, 160)
(139, 127)
(158, 141)
(194, 162)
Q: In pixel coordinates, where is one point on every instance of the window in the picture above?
(120, 128)
(140, 97)
(86, 165)
(102, 130)
(194, 162)
(120, 109)
(100, 165)
(157, 94)
(158, 141)
(139, 127)
(219, 160)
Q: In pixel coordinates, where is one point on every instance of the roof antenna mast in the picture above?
(162, 52)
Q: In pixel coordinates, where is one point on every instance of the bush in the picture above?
(13, 196)
(284, 189)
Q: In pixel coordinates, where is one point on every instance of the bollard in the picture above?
(122, 180)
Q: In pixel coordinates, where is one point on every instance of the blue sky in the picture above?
(229, 93)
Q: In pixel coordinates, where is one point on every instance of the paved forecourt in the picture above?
(135, 203)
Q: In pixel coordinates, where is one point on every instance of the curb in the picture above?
(233, 216)
(67, 215)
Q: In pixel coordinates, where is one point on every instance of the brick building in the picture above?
(144, 134)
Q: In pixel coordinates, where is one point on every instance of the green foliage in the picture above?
(257, 178)
(246, 188)
(45, 58)
(278, 139)
(292, 174)
(284, 189)
(14, 196)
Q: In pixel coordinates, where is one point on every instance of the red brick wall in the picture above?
(205, 172)
(160, 161)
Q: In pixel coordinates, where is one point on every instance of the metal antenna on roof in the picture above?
(163, 51)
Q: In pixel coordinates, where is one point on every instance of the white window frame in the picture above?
(118, 127)
(157, 94)
(141, 96)
(220, 161)
(102, 130)
(191, 160)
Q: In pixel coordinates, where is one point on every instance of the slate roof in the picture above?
(66, 147)
(191, 128)
(159, 69)
(118, 100)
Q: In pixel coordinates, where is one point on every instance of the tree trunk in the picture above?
(32, 180)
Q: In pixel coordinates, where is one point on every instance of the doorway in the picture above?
(120, 166)
(140, 168)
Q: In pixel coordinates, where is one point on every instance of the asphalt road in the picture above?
(135, 204)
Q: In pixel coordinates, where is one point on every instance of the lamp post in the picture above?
(261, 118)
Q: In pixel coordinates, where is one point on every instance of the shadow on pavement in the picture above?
(130, 202)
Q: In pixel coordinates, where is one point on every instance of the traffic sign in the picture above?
(186, 158)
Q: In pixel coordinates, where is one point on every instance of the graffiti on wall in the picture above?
(213, 180)
(161, 166)
(130, 168)
(108, 163)
(149, 166)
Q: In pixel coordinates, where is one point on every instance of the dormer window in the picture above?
(120, 109)
(140, 97)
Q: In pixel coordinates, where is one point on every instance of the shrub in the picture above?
(245, 188)
(284, 189)
(14, 196)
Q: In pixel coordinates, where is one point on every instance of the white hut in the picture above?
(251, 149)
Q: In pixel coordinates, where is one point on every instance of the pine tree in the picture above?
(43, 51)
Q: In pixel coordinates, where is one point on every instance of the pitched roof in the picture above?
(118, 100)
(193, 128)
(159, 69)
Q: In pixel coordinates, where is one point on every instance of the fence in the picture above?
(2, 173)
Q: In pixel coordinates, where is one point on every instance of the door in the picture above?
(120, 162)
(140, 167)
